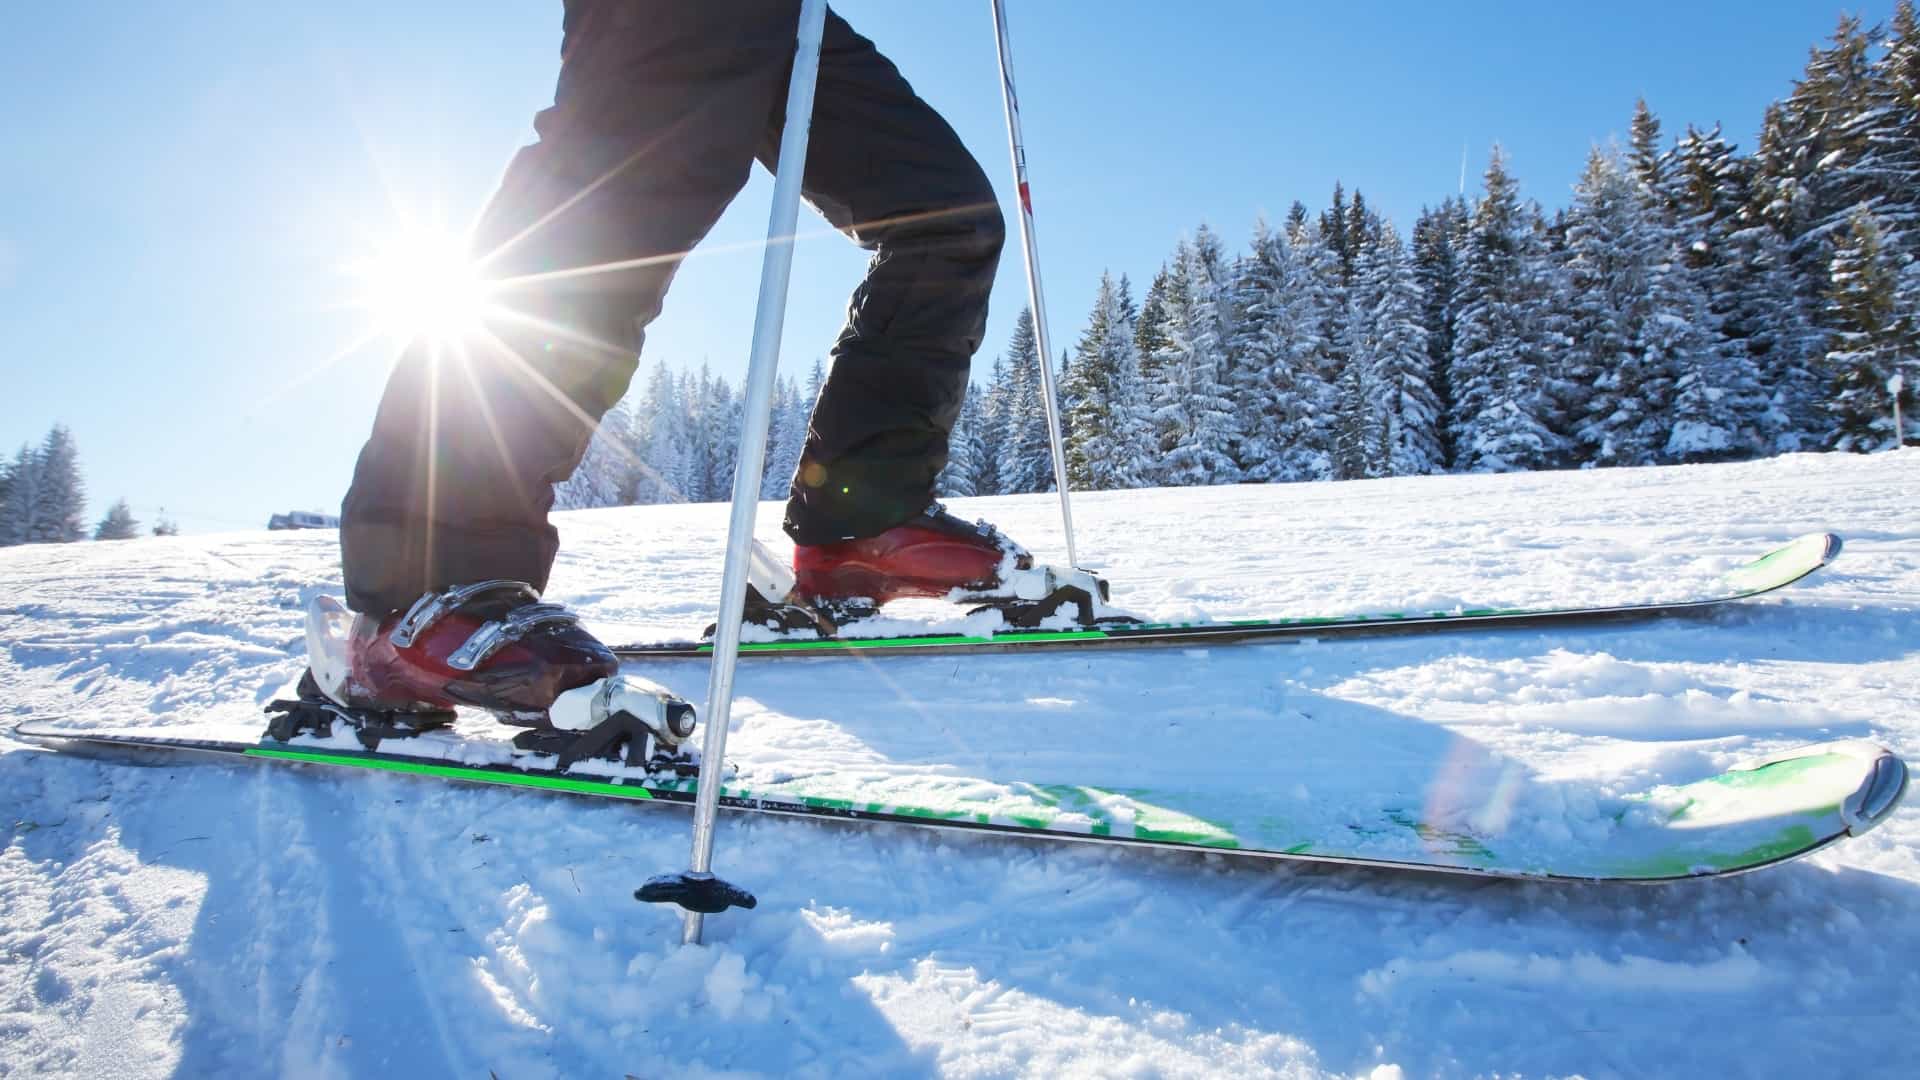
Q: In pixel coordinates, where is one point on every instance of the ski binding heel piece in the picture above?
(612, 715)
(697, 892)
(1030, 596)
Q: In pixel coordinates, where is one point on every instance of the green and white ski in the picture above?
(1754, 815)
(1774, 570)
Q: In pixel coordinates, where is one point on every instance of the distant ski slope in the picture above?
(165, 921)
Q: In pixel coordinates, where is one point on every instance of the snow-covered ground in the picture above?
(176, 917)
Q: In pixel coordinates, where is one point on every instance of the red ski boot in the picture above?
(940, 556)
(491, 645)
(928, 556)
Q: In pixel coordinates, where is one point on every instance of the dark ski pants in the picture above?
(661, 109)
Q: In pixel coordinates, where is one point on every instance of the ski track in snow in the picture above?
(164, 916)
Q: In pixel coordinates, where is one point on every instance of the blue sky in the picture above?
(183, 183)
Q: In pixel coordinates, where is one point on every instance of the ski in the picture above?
(1754, 815)
(1775, 570)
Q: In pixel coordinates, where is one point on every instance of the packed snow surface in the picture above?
(175, 916)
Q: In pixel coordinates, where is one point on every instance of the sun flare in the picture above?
(422, 283)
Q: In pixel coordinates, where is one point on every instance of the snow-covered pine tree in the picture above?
(786, 435)
(660, 438)
(1132, 458)
(1710, 183)
(1282, 400)
(1696, 395)
(1026, 456)
(1100, 393)
(164, 525)
(1084, 393)
(722, 420)
(1891, 131)
(777, 419)
(1718, 408)
(1333, 230)
(1360, 434)
(118, 524)
(1152, 346)
(1192, 414)
(1646, 162)
(1609, 250)
(1439, 246)
(1363, 230)
(605, 474)
(1254, 290)
(1502, 418)
(993, 425)
(1396, 345)
(692, 391)
(61, 498)
(960, 476)
(1872, 339)
(1804, 184)
(1359, 426)
(1324, 355)
(1907, 301)
(17, 512)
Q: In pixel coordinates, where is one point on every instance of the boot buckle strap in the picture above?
(499, 633)
(433, 605)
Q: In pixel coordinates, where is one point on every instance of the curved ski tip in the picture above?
(1884, 787)
(1831, 549)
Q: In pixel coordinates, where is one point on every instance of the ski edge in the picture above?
(1878, 794)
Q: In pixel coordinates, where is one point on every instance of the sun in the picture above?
(420, 282)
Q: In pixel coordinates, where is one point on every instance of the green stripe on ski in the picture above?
(459, 772)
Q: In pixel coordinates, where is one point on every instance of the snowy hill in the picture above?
(165, 917)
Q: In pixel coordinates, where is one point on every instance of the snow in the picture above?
(160, 916)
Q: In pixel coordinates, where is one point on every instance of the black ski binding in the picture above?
(1029, 614)
(785, 617)
(701, 893)
(621, 737)
(312, 711)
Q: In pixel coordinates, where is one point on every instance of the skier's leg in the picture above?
(888, 171)
(659, 110)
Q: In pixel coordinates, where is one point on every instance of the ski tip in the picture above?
(1878, 795)
(1833, 544)
(32, 731)
(1882, 784)
(1783, 565)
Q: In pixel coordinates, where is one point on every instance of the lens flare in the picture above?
(421, 283)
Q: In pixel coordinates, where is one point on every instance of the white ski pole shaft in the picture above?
(768, 320)
(1017, 144)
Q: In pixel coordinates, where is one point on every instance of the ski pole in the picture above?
(698, 891)
(1018, 146)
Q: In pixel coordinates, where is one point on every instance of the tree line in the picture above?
(1691, 303)
(43, 498)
